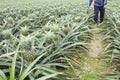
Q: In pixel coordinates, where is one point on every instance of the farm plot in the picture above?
(34, 42)
(37, 38)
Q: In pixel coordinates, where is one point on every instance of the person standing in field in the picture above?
(99, 5)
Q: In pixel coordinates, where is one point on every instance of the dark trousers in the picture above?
(96, 11)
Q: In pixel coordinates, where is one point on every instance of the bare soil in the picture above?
(96, 46)
(92, 62)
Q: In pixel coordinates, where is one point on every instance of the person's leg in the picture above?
(96, 11)
(102, 12)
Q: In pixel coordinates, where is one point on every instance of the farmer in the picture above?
(99, 5)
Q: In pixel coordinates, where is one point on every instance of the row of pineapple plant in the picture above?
(112, 39)
(34, 43)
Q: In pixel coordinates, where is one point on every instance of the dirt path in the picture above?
(91, 66)
(96, 46)
(93, 62)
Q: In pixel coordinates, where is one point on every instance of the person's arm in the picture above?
(89, 3)
(105, 2)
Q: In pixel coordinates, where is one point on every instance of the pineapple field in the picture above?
(57, 40)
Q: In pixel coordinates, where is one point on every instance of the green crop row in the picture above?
(34, 40)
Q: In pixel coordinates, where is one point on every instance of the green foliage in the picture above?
(89, 76)
(112, 38)
(35, 37)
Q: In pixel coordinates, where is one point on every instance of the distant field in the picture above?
(36, 3)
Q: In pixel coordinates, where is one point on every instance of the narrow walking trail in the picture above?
(96, 46)
(96, 49)
(91, 66)
(94, 64)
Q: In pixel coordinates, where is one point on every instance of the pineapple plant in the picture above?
(52, 18)
(32, 16)
(26, 41)
(9, 25)
(38, 34)
(78, 18)
(24, 30)
(65, 29)
(6, 34)
(47, 27)
(9, 20)
(49, 36)
(54, 28)
(29, 55)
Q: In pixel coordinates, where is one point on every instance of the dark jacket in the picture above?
(97, 2)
